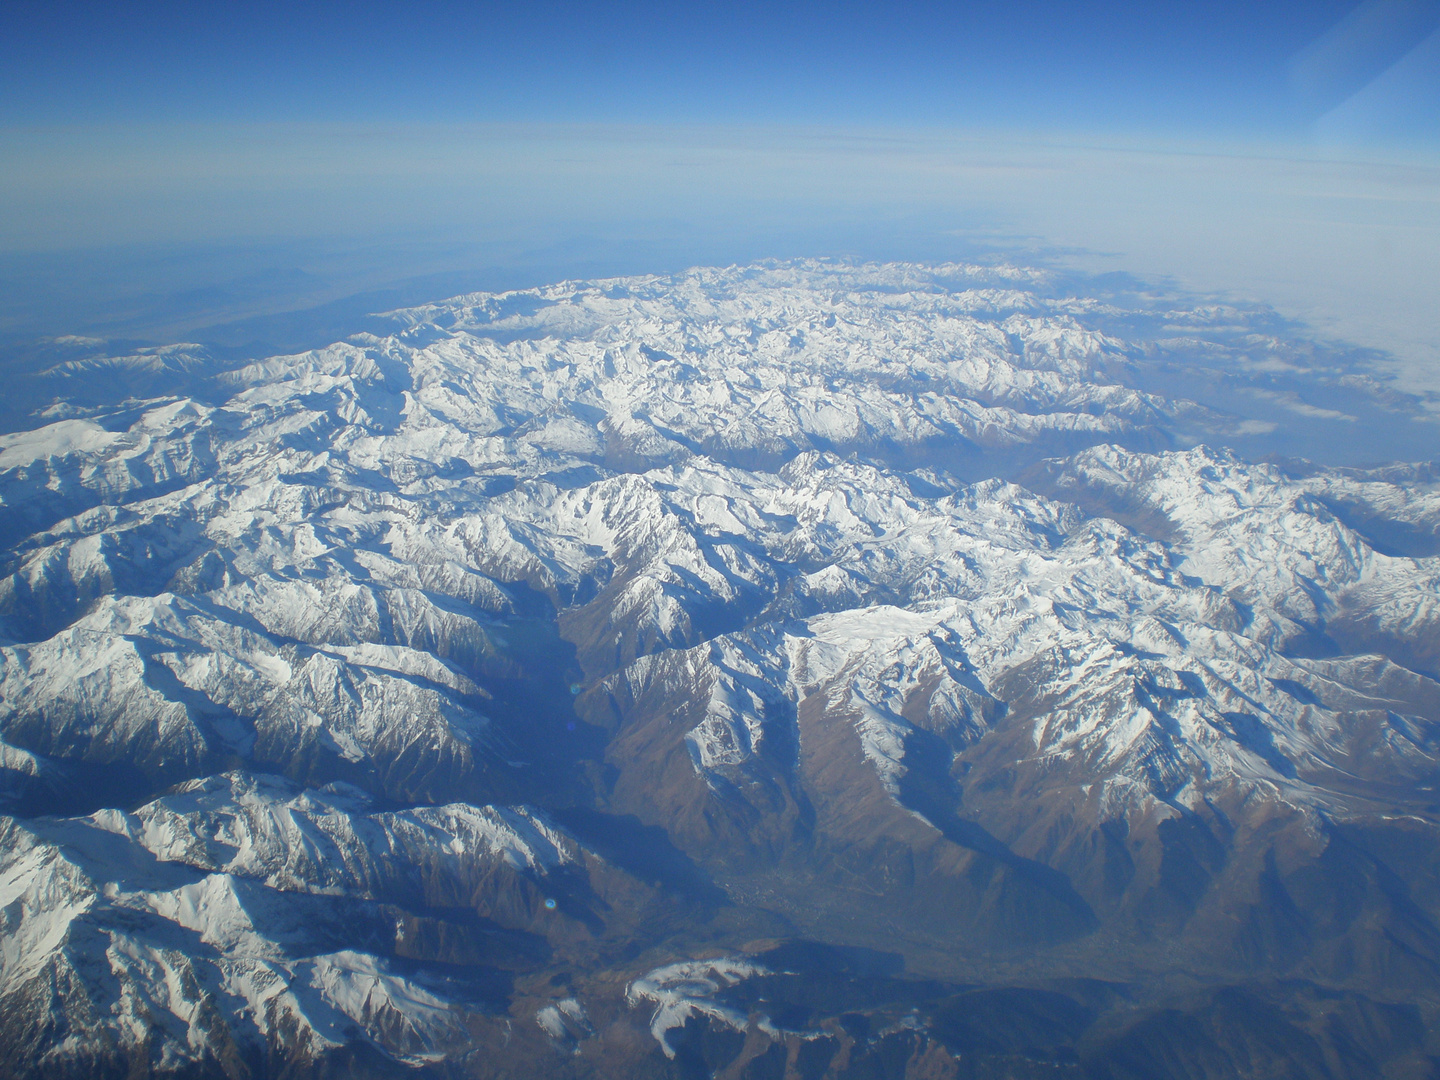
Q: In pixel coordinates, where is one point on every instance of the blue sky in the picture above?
(155, 155)
(1220, 69)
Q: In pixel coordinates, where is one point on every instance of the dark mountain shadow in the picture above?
(643, 851)
(928, 789)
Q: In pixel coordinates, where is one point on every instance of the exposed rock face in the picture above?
(799, 670)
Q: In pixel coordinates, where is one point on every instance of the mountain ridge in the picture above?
(862, 632)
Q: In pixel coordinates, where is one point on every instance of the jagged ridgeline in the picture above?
(799, 671)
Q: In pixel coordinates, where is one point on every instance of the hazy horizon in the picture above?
(177, 171)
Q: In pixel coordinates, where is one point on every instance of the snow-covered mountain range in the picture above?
(772, 668)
